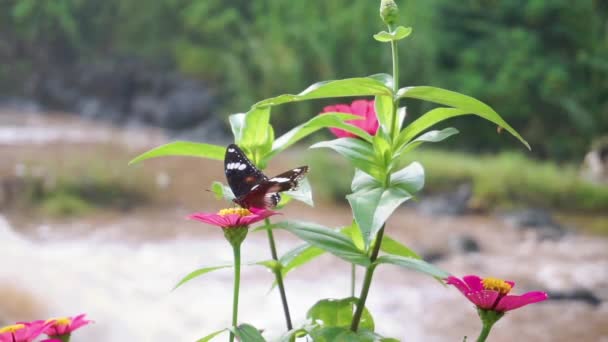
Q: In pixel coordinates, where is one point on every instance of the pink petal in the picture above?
(484, 299)
(213, 219)
(474, 282)
(343, 108)
(512, 283)
(459, 284)
(329, 109)
(359, 107)
(512, 302)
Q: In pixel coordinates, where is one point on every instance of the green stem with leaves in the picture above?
(369, 272)
(278, 275)
(236, 248)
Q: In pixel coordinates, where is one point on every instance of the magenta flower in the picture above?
(65, 325)
(23, 331)
(363, 108)
(233, 217)
(492, 294)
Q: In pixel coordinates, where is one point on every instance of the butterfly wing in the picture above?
(240, 172)
(266, 194)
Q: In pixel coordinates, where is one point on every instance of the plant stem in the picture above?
(395, 54)
(367, 281)
(353, 279)
(485, 331)
(279, 276)
(237, 280)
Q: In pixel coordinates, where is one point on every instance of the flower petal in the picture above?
(474, 282)
(511, 302)
(459, 284)
(484, 299)
(213, 219)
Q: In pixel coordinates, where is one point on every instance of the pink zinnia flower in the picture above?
(23, 331)
(492, 294)
(363, 108)
(233, 217)
(65, 325)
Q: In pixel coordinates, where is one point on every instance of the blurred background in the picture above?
(87, 85)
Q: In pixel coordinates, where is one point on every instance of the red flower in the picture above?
(233, 217)
(23, 331)
(65, 325)
(363, 108)
(492, 294)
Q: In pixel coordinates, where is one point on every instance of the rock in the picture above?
(538, 220)
(581, 295)
(449, 204)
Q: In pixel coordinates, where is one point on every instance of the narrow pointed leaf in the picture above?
(363, 181)
(413, 264)
(211, 336)
(199, 273)
(299, 256)
(237, 122)
(430, 136)
(392, 246)
(255, 132)
(303, 193)
(359, 86)
(222, 190)
(384, 107)
(329, 240)
(360, 153)
(183, 148)
(316, 123)
(462, 102)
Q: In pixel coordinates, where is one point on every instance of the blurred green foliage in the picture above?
(505, 180)
(542, 64)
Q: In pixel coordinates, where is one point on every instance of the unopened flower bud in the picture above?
(389, 11)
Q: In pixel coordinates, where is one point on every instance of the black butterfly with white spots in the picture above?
(251, 188)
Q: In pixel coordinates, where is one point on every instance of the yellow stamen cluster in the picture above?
(497, 285)
(11, 328)
(60, 321)
(231, 211)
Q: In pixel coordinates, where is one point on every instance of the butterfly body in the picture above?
(253, 189)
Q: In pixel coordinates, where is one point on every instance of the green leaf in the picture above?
(363, 181)
(199, 273)
(237, 122)
(294, 333)
(299, 256)
(354, 233)
(398, 34)
(392, 246)
(386, 79)
(430, 136)
(247, 333)
(222, 191)
(372, 206)
(183, 148)
(382, 150)
(328, 240)
(466, 104)
(384, 107)
(271, 265)
(211, 336)
(320, 121)
(338, 313)
(413, 264)
(303, 193)
(360, 153)
(257, 133)
(359, 86)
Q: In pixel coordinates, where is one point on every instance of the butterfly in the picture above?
(251, 187)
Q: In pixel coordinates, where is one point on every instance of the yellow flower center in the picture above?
(231, 211)
(11, 328)
(60, 321)
(497, 285)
